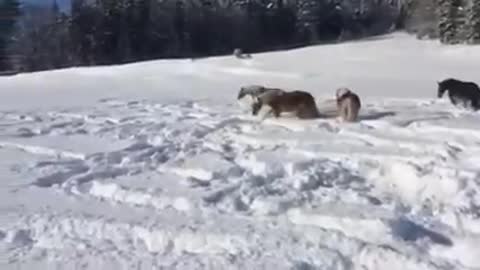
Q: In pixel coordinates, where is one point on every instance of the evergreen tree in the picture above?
(142, 29)
(9, 12)
(123, 51)
(180, 25)
(285, 20)
(473, 22)
(447, 25)
(281, 24)
(421, 18)
(319, 20)
(53, 37)
(83, 30)
(308, 16)
(117, 31)
(41, 41)
(55, 10)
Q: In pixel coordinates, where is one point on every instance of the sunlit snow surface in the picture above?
(156, 165)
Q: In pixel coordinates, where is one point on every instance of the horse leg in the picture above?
(305, 112)
(266, 114)
(276, 110)
(300, 113)
(256, 107)
(475, 105)
(453, 100)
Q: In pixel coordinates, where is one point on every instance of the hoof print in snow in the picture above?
(409, 231)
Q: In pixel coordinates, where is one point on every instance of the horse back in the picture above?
(300, 102)
(466, 89)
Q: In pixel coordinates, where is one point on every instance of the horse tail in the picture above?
(350, 109)
(347, 111)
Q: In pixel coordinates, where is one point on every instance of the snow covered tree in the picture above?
(447, 24)
(473, 22)
(83, 30)
(308, 16)
(41, 39)
(55, 37)
(9, 12)
(118, 31)
(179, 21)
(319, 20)
(421, 18)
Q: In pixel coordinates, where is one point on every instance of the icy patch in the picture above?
(205, 166)
(58, 233)
(18, 238)
(39, 150)
(465, 251)
(368, 229)
(116, 193)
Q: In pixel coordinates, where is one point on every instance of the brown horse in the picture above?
(301, 103)
(257, 93)
(348, 104)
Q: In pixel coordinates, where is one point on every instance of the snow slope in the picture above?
(155, 165)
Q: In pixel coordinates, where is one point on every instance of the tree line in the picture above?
(451, 21)
(103, 32)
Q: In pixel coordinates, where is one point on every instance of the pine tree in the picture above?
(473, 22)
(308, 12)
(179, 22)
(447, 25)
(9, 12)
(54, 37)
(422, 18)
(124, 48)
(55, 10)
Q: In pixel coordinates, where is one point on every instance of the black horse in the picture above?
(466, 93)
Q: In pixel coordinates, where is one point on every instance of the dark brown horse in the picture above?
(301, 103)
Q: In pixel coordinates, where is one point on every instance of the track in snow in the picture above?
(213, 188)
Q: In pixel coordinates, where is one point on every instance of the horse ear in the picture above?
(241, 93)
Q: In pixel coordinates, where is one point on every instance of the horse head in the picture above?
(342, 92)
(242, 93)
(256, 105)
(441, 89)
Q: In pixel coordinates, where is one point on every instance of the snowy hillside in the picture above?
(156, 166)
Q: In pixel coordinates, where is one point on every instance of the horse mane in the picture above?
(449, 80)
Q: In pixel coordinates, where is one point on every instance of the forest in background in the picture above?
(104, 32)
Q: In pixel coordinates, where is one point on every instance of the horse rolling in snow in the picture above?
(301, 103)
(251, 90)
(466, 93)
(258, 93)
(348, 104)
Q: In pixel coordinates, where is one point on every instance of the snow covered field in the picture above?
(156, 166)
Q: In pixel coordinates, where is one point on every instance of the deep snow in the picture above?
(156, 164)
